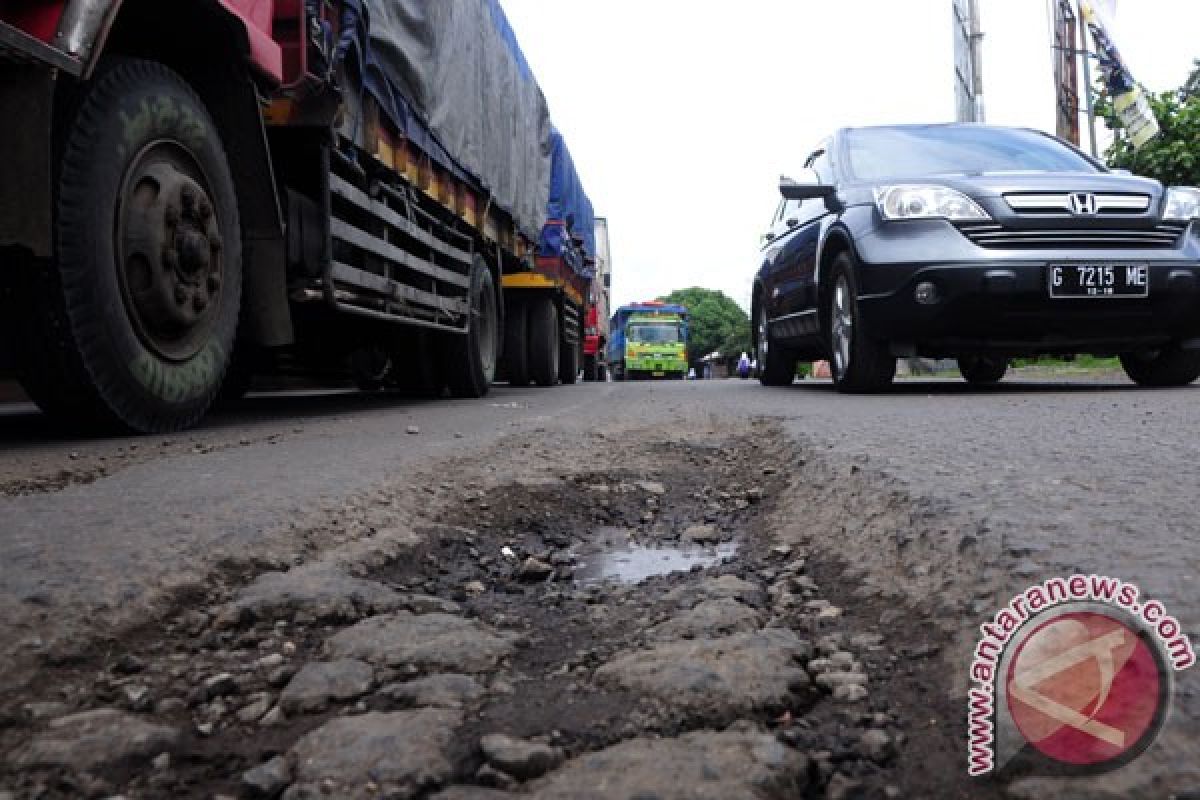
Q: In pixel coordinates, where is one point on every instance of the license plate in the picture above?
(660, 374)
(1099, 280)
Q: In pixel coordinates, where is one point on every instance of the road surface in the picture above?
(250, 593)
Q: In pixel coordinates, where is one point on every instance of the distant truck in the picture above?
(199, 191)
(649, 340)
(595, 339)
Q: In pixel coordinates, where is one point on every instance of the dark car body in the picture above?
(992, 277)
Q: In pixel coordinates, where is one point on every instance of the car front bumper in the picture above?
(1007, 307)
(999, 300)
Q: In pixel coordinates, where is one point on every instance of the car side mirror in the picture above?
(809, 187)
(792, 222)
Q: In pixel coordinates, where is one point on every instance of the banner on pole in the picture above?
(1129, 101)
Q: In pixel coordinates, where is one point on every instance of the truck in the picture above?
(649, 340)
(204, 190)
(595, 339)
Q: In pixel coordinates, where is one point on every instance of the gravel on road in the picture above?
(272, 599)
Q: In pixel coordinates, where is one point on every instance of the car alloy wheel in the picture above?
(764, 344)
(842, 321)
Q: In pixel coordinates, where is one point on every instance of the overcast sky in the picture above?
(682, 115)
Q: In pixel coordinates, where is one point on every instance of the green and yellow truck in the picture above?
(649, 340)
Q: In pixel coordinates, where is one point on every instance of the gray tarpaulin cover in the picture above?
(455, 66)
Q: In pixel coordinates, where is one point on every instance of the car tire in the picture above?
(1171, 366)
(776, 366)
(470, 360)
(133, 324)
(857, 362)
(982, 370)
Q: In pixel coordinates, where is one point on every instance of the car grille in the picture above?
(1059, 203)
(1164, 235)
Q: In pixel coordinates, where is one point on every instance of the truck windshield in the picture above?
(654, 334)
(912, 151)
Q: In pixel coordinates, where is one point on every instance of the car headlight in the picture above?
(1183, 203)
(926, 202)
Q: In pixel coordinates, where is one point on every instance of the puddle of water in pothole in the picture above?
(629, 562)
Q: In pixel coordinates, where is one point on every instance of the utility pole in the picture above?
(968, 61)
(1070, 47)
(977, 59)
(1066, 75)
(1087, 90)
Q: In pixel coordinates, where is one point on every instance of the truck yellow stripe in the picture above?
(534, 280)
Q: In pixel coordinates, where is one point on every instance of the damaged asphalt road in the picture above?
(670, 591)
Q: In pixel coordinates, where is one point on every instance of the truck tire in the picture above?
(415, 356)
(134, 323)
(470, 360)
(568, 362)
(371, 368)
(543, 341)
(516, 344)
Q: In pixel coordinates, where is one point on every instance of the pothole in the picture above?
(623, 611)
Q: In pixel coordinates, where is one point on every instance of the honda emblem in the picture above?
(1081, 204)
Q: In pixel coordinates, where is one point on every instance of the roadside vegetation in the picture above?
(1080, 362)
(717, 322)
(1172, 157)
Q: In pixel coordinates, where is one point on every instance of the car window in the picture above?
(779, 213)
(906, 152)
(791, 209)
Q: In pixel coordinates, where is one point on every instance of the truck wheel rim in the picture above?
(169, 252)
(843, 326)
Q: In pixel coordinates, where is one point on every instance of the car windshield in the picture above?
(654, 334)
(875, 154)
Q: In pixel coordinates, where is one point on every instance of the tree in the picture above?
(717, 322)
(1192, 87)
(1172, 157)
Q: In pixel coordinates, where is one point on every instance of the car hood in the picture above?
(995, 193)
(1000, 184)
